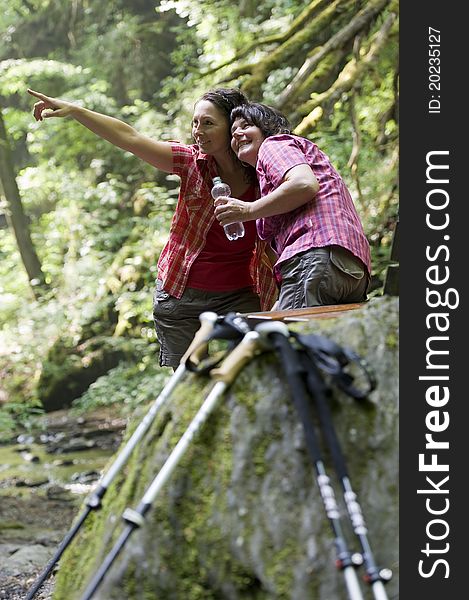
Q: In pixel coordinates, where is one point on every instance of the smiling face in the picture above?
(246, 141)
(210, 128)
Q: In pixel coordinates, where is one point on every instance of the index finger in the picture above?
(36, 94)
(220, 201)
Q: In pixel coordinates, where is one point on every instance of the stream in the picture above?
(45, 475)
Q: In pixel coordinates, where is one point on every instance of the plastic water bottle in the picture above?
(233, 231)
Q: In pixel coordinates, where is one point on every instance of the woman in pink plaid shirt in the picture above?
(305, 212)
(199, 269)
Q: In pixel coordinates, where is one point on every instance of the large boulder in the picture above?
(241, 517)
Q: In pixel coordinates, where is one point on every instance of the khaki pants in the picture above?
(320, 276)
(177, 320)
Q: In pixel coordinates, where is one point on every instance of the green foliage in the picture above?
(99, 216)
(127, 385)
(16, 75)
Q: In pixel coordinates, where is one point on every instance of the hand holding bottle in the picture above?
(233, 231)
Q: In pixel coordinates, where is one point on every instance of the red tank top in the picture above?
(223, 265)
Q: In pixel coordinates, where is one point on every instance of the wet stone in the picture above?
(31, 482)
(87, 477)
(57, 492)
(29, 457)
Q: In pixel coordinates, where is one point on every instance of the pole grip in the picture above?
(199, 344)
(236, 360)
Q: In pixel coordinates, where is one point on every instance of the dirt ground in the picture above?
(33, 520)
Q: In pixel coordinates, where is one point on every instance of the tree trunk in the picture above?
(338, 40)
(16, 216)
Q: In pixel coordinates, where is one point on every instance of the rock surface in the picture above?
(241, 517)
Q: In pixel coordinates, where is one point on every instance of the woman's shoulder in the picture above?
(283, 144)
(187, 158)
(280, 137)
(182, 148)
(285, 140)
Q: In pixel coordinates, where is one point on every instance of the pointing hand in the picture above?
(50, 107)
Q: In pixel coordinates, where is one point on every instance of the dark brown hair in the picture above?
(269, 120)
(226, 100)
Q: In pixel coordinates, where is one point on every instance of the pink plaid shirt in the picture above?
(191, 222)
(330, 218)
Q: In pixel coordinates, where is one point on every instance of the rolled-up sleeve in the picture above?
(277, 155)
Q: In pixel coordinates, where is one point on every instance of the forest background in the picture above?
(82, 223)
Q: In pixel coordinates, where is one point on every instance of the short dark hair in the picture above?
(269, 120)
(225, 99)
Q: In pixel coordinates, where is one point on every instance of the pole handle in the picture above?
(236, 360)
(199, 344)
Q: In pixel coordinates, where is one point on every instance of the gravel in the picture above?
(16, 587)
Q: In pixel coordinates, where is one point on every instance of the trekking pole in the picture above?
(278, 334)
(134, 518)
(93, 502)
(232, 327)
(375, 576)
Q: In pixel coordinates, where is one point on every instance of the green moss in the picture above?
(276, 560)
(317, 29)
(392, 340)
(194, 522)
(11, 525)
(127, 490)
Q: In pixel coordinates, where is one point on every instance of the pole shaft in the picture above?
(351, 582)
(107, 563)
(224, 376)
(157, 484)
(379, 591)
(94, 501)
(143, 426)
(55, 559)
(181, 447)
(354, 510)
(293, 370)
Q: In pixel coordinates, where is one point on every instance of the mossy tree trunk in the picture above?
(17, 217)
(317, 48)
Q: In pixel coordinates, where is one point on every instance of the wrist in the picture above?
(78, 111)
(253, 210)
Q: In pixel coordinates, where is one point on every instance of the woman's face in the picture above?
(210, 128)
(246, 141)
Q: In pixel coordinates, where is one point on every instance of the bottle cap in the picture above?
(216, 180)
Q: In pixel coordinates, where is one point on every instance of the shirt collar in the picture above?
(201, 156)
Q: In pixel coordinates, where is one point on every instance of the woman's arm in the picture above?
(118, 133)
(298, 187)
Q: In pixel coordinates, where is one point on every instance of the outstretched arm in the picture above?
(113, 130)
(298, 187)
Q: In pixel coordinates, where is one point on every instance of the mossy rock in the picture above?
(241, 517)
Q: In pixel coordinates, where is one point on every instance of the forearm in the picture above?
(158, 154)
(299, 187)
(287, 197)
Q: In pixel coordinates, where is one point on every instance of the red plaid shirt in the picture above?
(329, 219)
(191, 222)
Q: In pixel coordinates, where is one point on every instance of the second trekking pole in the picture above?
(278, 333)
(224, 376)
(318, 389)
